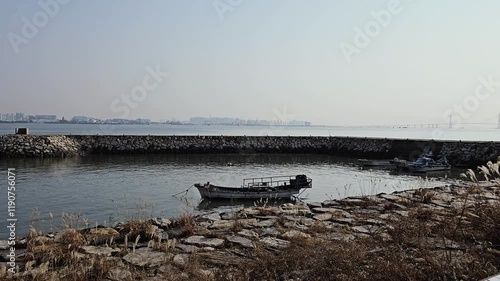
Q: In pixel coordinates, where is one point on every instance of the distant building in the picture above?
(84, 120)
(45, 118)
(143, 121)
(19, 117)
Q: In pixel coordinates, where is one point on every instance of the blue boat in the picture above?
(424, 163)
(427, 164)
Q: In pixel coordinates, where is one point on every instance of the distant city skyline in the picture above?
(51, 118)
(328, 62)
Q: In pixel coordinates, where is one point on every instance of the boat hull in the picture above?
(428, 169)
(238, 193)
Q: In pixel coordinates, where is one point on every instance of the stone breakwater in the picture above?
(419, 227)
(459, 153)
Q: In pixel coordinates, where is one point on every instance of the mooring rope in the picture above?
(185, 192)
(298, 196)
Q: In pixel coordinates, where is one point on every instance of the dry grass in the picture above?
(138, 228)
(185, 224)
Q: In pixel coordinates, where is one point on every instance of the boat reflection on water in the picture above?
(214, 203)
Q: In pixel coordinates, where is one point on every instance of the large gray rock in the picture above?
(211, 217)
(266, 223)
(187, 248)
(248, 233)
(242, 241)
(202, 241)
(323, 217)
(333, 211)
(181, 260)
(275, 243)
(271, 231)
(161, 222)
(99, 251)
(231, 223)
(145, 257)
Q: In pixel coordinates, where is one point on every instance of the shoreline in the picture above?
(451, 230)
(459, 153)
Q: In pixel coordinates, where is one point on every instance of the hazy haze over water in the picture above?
(163, 129)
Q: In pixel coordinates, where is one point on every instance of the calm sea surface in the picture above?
(107, 189)
(164, 129)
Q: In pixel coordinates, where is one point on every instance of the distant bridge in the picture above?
(428, 125)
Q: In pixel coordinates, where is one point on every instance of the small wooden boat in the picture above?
(256, 188)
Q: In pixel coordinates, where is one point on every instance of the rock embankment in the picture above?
(408, 232)
(38, 146)
(459, 153)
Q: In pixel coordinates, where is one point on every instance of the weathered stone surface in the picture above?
(212, 217)
(248, 233)
(334, 211)
(99, 251)
(4, 245)
(402, 213)
(231, 223)
(181, 260)
(271, 231)
(145, 257)
(347, 221)
(373, 222)
(394, 198)
(340, 236)
(242, 241)
(275, 243)
(352, 201)
(323, 217)
(294, 234)
(202, 241)
(365, 229)
(222, 258)
(251, 211)
(265, 223)
(161, 222)
(229, 215)
(312, 205)
(3, 269)
(119, 274)
(187, 248)
(222, 224)
(330, 203)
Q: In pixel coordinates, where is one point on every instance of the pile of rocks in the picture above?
(459, 153)
(38, 146)
(33, 145)
(471, 152)
(218, 239)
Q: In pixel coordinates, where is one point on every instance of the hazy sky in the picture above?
(410, 61)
